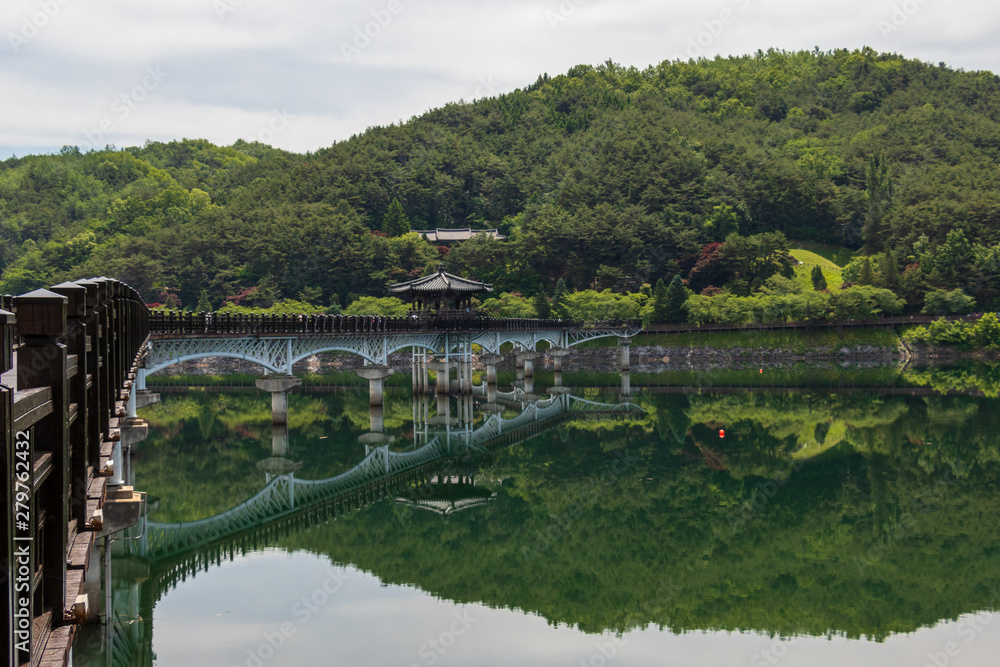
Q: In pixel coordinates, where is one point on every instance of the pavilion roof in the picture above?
(440, 283)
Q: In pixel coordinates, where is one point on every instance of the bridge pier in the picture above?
(278, 386)
(491, 361)
(558, 354)
(375, 374)
(527, 360)
(442, 367)
(623, 346)
(626, 383)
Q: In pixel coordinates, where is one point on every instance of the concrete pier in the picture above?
(527, 360)
(623, 346)
(491, 361)
(375, 375)
(558, 354)
(442, 368)
(278, 386)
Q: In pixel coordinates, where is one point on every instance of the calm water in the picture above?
(822, 529)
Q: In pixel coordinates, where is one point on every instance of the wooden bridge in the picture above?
(68, 361)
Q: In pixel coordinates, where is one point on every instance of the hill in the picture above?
(607, 177)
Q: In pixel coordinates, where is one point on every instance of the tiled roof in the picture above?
(439, 282)
(445, 235)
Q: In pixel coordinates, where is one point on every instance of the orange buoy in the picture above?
(722, 433)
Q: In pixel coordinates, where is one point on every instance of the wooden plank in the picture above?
(31, 406)
(97, 487)
(57, 648)
(80, 551)
(41, 627)
(107, 447)
(42, 468)
(74, 584)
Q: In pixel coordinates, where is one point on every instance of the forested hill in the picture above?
(607, 177)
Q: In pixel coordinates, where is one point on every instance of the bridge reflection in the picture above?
(452, 437)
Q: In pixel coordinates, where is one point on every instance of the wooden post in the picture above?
(42, 362)
(7, 465)
(76, 344)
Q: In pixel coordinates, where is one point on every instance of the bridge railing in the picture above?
(75, 348)
(174, 323)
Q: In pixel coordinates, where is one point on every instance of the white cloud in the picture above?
(231, 63)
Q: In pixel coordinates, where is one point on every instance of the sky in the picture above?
(303, 74)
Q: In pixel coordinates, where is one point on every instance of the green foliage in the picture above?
(388, 306)
(780, 305)
(541, 303)
(676, 295)
(983, 334)
(509, 304)
(606, 177)
(395, 222)
(941, 302)
(818, 281)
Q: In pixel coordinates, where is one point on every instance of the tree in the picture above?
(941, 302)
(659, 302)
(559, 299)
(395, 222)
(204, 303)
(541, 303)
(889, 271)
(818, 280)
(879, 201)
(866, 276)
(676, 296)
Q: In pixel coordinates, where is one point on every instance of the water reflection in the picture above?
(854, 516)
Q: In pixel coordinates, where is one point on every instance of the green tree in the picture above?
(866, 276)
(395, 222)
(541, 303)
(878, 199)
(818, 280)
(660, 303)
(559, 299)
(942, 302)
(204, 303)
(675, 297)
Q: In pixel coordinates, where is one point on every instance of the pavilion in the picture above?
(440, 292)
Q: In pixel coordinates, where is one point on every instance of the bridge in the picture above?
(441, 344)
(74, 359)
(68, 358)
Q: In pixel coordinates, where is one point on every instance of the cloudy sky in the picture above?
(301, 74)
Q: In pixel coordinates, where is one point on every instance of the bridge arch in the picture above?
(205, 355)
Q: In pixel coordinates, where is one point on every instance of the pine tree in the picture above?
(818, 279)
(889, 270)
(677, 296)
(559, 299)
(204, 303)
(395, 222)
(541, 303)
(866, 277)
(660, 302)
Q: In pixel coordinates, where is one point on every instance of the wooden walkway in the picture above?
(67, 360)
